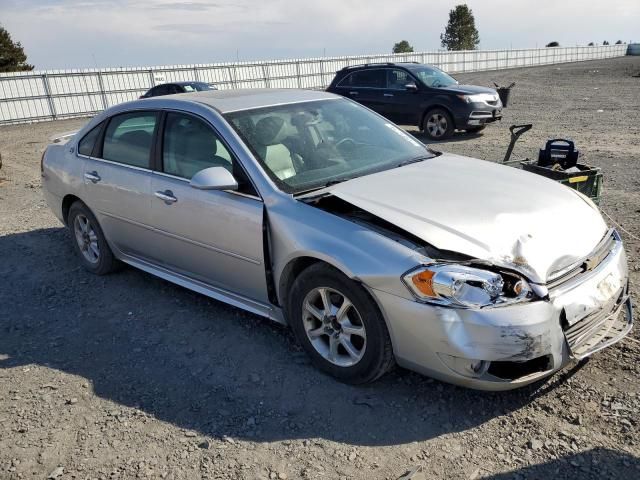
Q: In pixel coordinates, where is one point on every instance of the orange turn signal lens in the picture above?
(423, 281)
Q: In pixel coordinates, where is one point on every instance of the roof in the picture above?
(245, 99)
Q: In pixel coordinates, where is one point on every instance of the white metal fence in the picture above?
(52, 94)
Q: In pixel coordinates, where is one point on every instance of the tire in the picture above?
(363, 351)
(476, 129)
(438, 124)
(89, 242)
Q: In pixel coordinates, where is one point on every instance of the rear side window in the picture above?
(365, 79)
(129, 137)
(88, 142)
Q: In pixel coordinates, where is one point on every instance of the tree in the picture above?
(461, 32)
(12, 56)
(553, 44)
(402, 47)
(605, 42)
(619, 42)
(591, 44)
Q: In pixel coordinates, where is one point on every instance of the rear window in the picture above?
(88, 142)
(365, 79)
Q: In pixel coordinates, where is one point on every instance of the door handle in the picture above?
(388, 94)
(166, 196)
(353, 93)
(92, 176)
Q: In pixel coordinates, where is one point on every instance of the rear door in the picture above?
(366, 87)
(117, 177)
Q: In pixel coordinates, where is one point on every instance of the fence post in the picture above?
(196, 75)
(152, 80)
(298, 74)
(103, 94)
(322, 84)
(47, 92)
(265, 74)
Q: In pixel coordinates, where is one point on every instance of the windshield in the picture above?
(304, 146)
(433, 77)
(197, 86)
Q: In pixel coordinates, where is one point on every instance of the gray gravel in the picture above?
(128, 376)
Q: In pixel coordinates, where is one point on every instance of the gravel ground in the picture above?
(129, 376)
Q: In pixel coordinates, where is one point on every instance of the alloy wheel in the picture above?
(437, 125)
(86, 238)
(334, 327)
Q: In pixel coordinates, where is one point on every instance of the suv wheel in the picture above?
(339, 325)
(438, 124)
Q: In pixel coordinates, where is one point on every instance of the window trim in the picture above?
(157, 164)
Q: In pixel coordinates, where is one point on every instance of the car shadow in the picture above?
(206, 366)
(458, 136)
(596, 463)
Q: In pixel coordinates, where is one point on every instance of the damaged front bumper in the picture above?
(501, 348)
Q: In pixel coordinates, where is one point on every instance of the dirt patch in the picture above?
(129, 376)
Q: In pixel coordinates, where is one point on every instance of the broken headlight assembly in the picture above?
(466, 287)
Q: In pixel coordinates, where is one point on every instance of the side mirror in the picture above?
(411, 87)
(214, 178)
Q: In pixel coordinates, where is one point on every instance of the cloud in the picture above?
(70, 33)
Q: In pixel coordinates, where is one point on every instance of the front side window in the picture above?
(129, 137)
(304, 146)
(88, 142)
(398, 79)
(433, 77)
(370, 78)
(190, 145)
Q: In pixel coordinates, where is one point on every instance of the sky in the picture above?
(112, 33)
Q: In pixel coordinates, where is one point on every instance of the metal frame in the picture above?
(56, 94)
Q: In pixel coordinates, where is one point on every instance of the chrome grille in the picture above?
(595, 258)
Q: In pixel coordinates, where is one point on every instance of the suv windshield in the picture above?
(309, 145)
(433, 77)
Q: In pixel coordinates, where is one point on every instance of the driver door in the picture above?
(402, 106)
(208, 235)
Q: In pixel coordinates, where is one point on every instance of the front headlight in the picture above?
(473, 98)
(463, 286)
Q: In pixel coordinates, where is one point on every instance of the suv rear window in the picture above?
(365, 79)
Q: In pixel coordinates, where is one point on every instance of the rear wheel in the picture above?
(438, 124)
(89, 242)
(339, 325)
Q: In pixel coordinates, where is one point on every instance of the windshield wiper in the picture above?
(414, 160)
(335, 181)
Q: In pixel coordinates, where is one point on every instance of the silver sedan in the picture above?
(313, 211)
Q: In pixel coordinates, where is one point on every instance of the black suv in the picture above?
(177, 87)
(421, 95)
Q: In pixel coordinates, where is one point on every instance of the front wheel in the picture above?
(438, 124)
(339, 326)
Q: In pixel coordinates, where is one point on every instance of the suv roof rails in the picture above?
(373, 64)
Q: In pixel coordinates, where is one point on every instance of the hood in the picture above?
(485, 210)
(468, 89)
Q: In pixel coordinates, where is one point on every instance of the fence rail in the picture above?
(53, 94)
